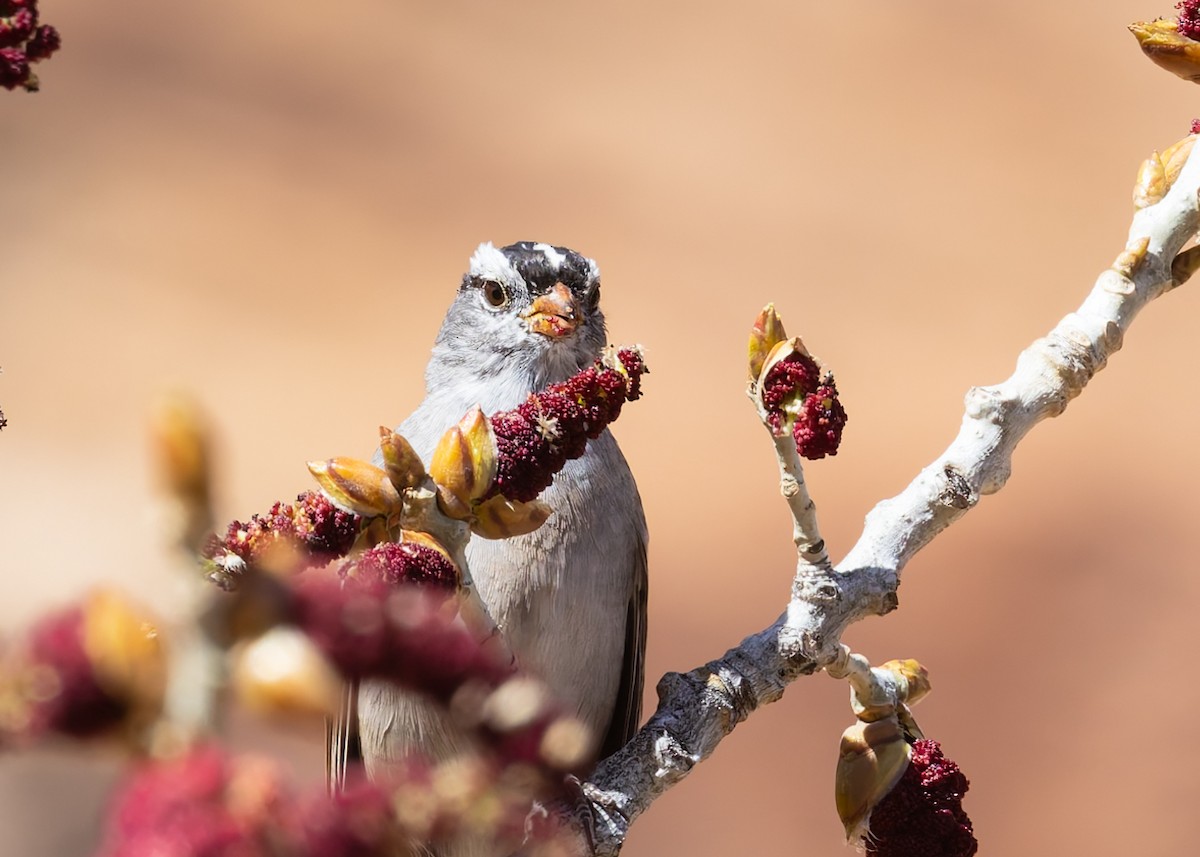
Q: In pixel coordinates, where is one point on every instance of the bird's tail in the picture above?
(342, 746)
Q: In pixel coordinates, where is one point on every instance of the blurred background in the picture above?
(269, 206)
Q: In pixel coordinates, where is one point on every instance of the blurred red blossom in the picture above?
(23, 41)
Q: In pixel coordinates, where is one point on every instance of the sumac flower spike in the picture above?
(90, 669)
(896, 793)
(537, 438)
(287, 539)
(206, 801)
(923, 814)
(490, 470)
(796, 397)
(818, 427)
(416, 559)
(22, 43)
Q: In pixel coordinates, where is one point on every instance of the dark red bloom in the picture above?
(1189, 18)
(45, 41)
(818, 428)
(798, 398)
(23, 42)
(396, 564)
(786, 385)
(922, 816)
(325, 529)
(536, 439)
(17, 28)
(185, 806)
(206, 803)
(369, 630)
(14, 68)
(65, 695)
(1195, 128)
(312, 532)
(357, 821)
(635, 366)
(209, 803)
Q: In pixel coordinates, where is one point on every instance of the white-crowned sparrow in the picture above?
(570, 598)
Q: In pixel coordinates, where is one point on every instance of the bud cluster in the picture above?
(22, 42)
(208, 802)
(1173, 43)
(793, 393)
(368, 628)
(90, 669)
(311, 532)
(797, 397)
(536, 439)
(923, 813)
(896, 794)
(418, 560)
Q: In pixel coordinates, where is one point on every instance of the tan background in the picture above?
(269, 205)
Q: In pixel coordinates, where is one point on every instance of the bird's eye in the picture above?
(495, 294)
(593, 298)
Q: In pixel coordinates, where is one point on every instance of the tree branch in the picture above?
(697, 710)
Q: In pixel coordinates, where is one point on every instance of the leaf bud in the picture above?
(356, 486)
(401, 462)
(464, 462)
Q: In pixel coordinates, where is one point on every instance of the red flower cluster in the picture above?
(794, 390)
(818, 428)
(796, 375)
(1189, 18)
(370, 629)
(313, 528)
(396, 564)
(23, 42)
(550, 428)
(922, 816)
(64, 694)
(208, 803)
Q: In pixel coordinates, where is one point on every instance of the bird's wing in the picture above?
(627, 712)
(342, 746)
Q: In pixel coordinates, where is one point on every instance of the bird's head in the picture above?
(527, 307)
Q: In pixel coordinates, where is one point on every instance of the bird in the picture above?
(570, 598)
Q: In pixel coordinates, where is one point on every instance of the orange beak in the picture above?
(554, 313)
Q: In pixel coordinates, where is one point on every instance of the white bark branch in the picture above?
(700, 708)
(805, 531)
